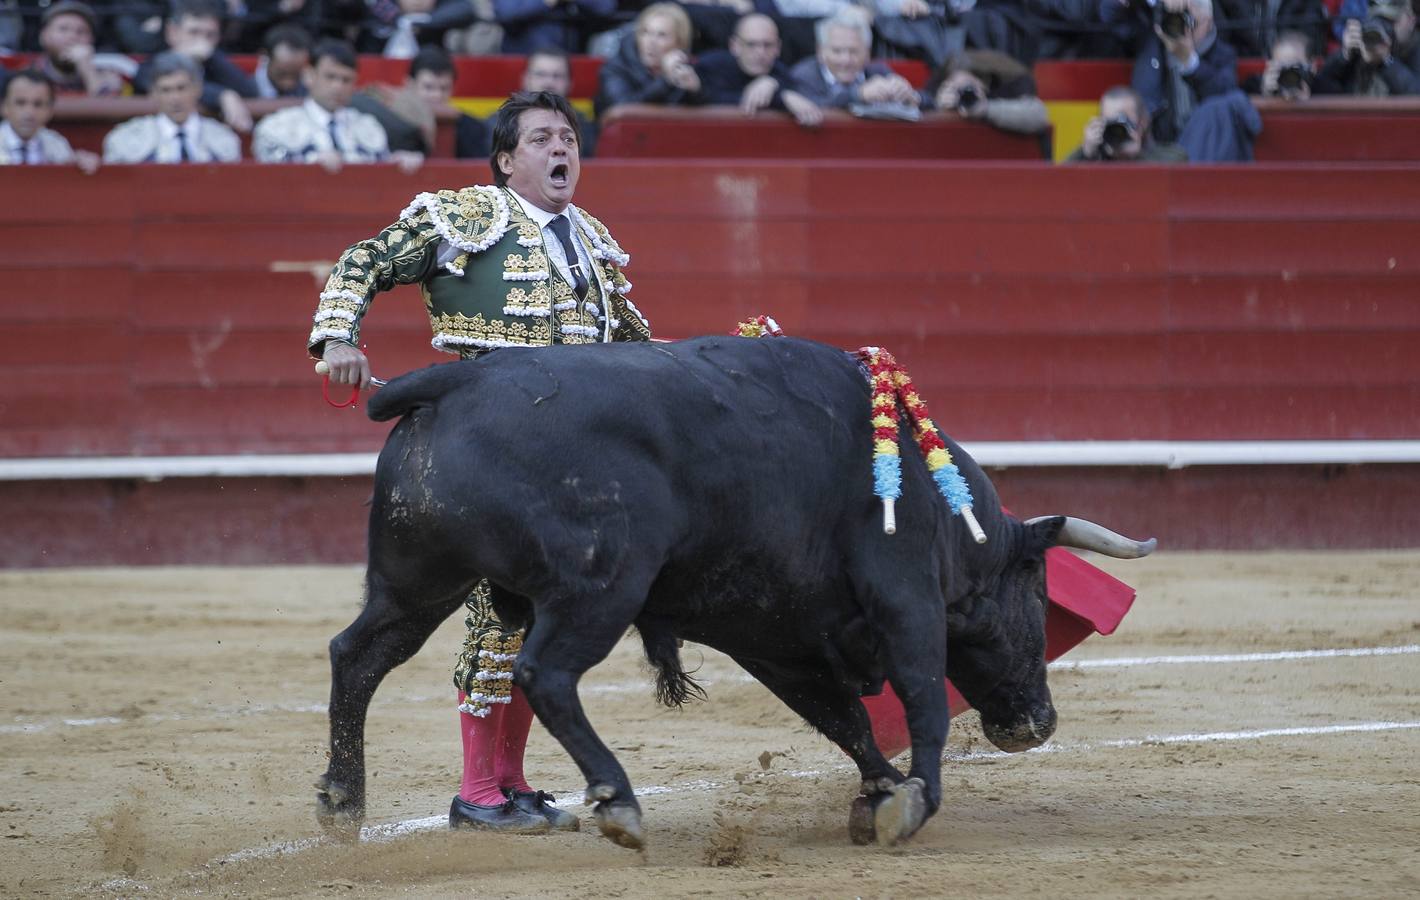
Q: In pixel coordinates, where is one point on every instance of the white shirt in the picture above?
(321, 116)
(555, 254)
(21, 151)
(171, 132)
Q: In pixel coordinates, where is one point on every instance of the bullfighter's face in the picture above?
(545, 165)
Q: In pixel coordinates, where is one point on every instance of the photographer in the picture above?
(1377, 56)
(1188, 79)
(1288, 74)
(1120, 133)
(989, 87)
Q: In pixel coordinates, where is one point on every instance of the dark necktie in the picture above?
(24, 153)
(563, 229)
(183, 155)
(334, 141)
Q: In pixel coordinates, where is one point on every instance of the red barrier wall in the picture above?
(163, 310)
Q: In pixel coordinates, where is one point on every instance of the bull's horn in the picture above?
(1084, 535)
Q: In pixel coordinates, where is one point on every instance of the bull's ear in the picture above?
(1044, 532)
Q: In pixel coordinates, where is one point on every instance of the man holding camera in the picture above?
(1288, 74)
(986, 86)
(1188, 79)
(1377, 55)
(1120, 133)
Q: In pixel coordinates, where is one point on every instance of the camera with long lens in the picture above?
(967, 98)
(1291, 78)
(1118, 131)
(1174, 23)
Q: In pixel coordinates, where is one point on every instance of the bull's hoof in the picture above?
(339, 812)
(900, 813)
(622, 825)
(862, 829)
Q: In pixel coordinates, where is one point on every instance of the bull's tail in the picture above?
(674, 685)
(416, 389)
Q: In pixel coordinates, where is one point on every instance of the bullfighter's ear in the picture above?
(1045, 530)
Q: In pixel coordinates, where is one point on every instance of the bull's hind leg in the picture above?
(818, 696)
(567, 639)
(388, 631)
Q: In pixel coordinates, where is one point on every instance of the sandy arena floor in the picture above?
(160, 731)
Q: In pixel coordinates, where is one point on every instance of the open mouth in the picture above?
(558, 175)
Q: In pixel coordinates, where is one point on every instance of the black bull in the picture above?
(716, 490)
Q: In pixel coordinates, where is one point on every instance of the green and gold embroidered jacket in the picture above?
(487, 282)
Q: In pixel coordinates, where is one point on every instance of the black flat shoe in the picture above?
(505, 817)
(540, 803)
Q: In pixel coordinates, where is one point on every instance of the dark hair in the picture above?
(435, 60)
(29, 75)
(197, 9)
(287, 35)
(337, 51)
(506, 128)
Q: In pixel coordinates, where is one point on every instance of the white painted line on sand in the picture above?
(1120, 662)
(593, 688)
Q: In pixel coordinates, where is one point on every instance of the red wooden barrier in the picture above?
(1334, 128)
(723, 132)
(163, 310)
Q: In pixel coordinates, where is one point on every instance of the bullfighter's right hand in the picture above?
(347, 364)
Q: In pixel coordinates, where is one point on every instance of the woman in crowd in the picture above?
(652, 64)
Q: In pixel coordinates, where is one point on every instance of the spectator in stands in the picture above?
(840, 75)
(194, 29)
(1120, 133)
(138, 25)
(325, 129)
(397, 29)
(69, 62)
(1367, 64)
(990, 87)
(409, 113)
(651, 64)
(285, 55)
(530, 25)
(750, 75)
(1251, 27)
(1188, 78)
(176, 133)
(1288, 73)
(26, 105)
(431, 78)
(262, 17)
(549, 69)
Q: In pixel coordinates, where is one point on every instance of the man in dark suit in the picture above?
(750, 75)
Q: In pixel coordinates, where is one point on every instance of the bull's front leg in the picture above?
(916, 669)
(384, 635)
(816, 693)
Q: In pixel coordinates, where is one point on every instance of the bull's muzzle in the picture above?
(1023, 734)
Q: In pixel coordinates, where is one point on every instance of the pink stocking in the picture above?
(517, 720)
(480, 746)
